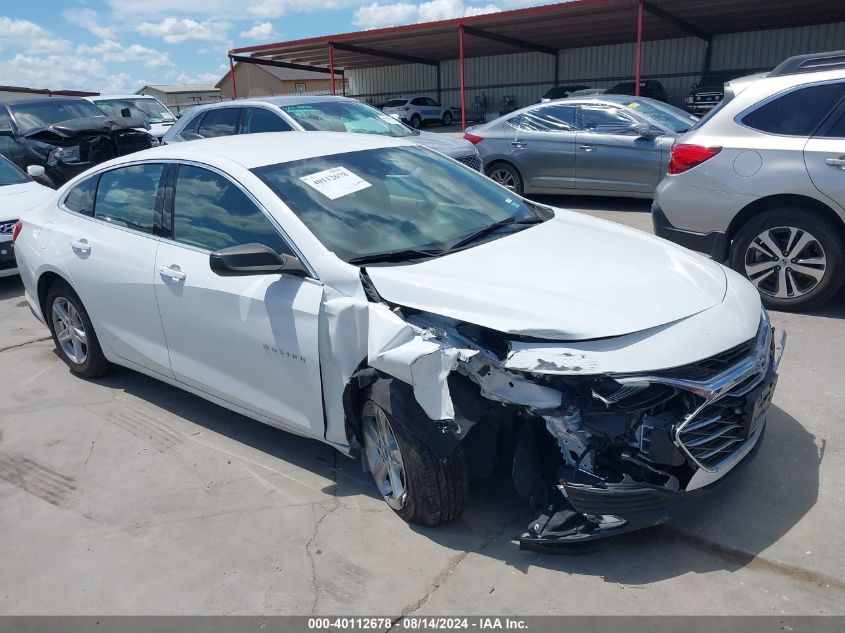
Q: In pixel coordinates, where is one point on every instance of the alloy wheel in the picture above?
(70, 330)
(504, 178)
(785, 262)
(384, 457)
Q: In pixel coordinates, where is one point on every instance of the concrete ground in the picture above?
(126, 496)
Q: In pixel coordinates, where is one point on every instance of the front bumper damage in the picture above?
(594, 454)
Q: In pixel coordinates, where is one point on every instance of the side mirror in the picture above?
(36, 171)
(254, 259)
(644, 130)
(126, 113)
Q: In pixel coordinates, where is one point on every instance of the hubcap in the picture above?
(384, 457)
(70, 331)
(785, 262)
(504, 178)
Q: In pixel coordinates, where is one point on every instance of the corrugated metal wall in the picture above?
(676, 63)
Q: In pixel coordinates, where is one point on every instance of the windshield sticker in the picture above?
(634, 105)
(335, 183)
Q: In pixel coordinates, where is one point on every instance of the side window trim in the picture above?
(70, 190)
(833, 117)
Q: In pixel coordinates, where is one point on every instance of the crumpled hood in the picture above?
(86, 126)
(571, 278)
(15, 199)
(452, 146)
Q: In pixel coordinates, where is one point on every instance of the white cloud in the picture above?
(29, 36)
(88, 19)
(57, 72)
(260, 31)
(176, 31)
(377, 15)
(181, 77)
(111, 51)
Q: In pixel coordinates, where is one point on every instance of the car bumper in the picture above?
(8, 265)
(713, 243)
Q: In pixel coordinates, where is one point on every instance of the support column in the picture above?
(639, 49)
(234, 82)
(463, 83)
(331, 64)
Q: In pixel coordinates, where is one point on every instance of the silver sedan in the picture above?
(613, 145)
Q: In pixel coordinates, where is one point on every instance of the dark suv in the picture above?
(66, 136)
(706, 95)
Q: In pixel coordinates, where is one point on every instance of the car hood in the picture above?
(572, 278)
(15, 199)
(452, 146)
(63, 131)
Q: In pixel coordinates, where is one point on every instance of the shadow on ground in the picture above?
(755, 509)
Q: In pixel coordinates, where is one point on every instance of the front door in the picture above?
(250, 340)
(543, 148)
(824, 155)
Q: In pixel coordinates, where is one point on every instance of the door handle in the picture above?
(836, 162)
(587, 148)
(172, 273)
(518, 144)
(81, 245)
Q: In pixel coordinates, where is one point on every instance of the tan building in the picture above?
(265, 81)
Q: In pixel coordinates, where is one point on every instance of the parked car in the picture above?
(66, 136)
(759, 183)
(143, 107)
(375, 295)
(560, 92)
(417, 111)
(327, 114)
(650, 88)
(609, 145)
(706, 95)
(18, 193)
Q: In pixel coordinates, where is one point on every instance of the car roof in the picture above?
(102, 97)
(256, 150)
(276, 101)
(35, 101)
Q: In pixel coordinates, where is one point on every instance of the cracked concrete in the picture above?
(177, 506)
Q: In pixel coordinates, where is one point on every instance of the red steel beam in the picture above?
(463, 82)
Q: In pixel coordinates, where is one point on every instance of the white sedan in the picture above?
(417, 111)
(18, 194)
(379, 297)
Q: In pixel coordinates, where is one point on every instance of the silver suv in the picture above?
(760, 182)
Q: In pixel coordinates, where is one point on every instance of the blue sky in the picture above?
(114, 46)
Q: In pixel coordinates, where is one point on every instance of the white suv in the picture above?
(760, 182)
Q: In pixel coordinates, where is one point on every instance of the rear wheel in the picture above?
(416, 121)
(73, 333)
(792, 255)
(418, 486)
(447, 118)
(507, 176)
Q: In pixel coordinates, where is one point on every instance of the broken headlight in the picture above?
(64, 155)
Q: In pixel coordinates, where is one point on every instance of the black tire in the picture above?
(416, 121)
(95, 363)
(447, 118)
(780, 221)
(436, 490)
(516, 185)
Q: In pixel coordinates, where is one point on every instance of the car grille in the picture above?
(714, 365)
(472, 161)
(7, 228)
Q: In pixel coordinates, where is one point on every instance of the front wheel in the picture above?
(73, 333)
(507, 176)
(793, 256)
(416, 121)
(447, 118)
(418, 486)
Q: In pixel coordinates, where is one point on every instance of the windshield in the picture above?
(668, 117)
(10, 174)
(148, 109)
(346, 116)
(35, 115)
(374, 204)
(394, 103)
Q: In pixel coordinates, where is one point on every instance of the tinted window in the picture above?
(48, 111)
(553, 118)
(10, 174)
(5, 120)
(418, 101)
(212, 213)
(797, 113)
(81, 197)
(395, 103)
(262, 120)
(837, 130)
(127, 196)
(219, 122)
(605, 120)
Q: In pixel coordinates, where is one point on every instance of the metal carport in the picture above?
(545, 29)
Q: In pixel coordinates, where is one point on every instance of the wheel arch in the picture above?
(45, 281)
(784, 200)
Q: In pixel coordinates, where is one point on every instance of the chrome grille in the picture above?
(472, 161)
(714, 365)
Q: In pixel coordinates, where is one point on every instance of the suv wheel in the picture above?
(412, 480)
(793, 256)
(416, 121)
(447, 118)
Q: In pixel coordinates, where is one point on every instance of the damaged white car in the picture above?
(399, 306)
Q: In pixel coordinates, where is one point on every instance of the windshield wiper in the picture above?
(401, 255)
(490, 228)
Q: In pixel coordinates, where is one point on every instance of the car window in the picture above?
(126, 196)
(431, 102)
(667, 117)
(837, 130)
(81, 198)
(151, 110)
(219, 122)
(346, 116)
(10, 174)
(797, 113)
(256, 120)
(602, 120)
(418, 101)
(395, 103)
(31, 116)
(5, 120)
(211, 212)
(552, 118)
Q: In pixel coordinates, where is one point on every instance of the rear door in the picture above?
(543, 148)
(219, 122)
(611, 157)
(256, 120)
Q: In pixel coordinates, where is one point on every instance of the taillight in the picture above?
(473, 138)
(16, 230)
(685, 157)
